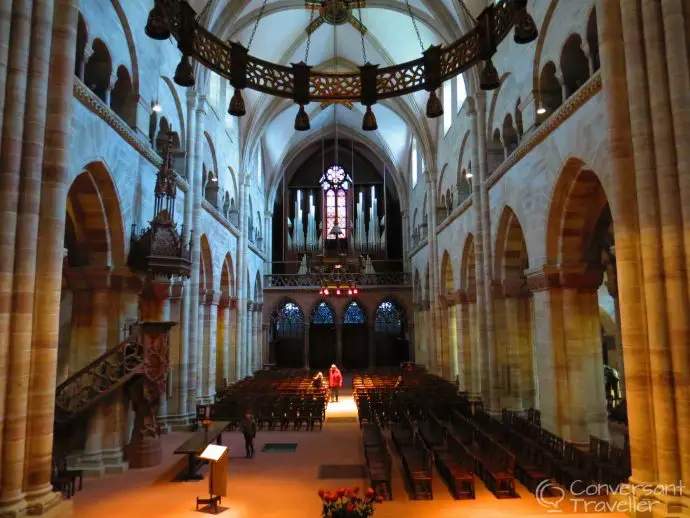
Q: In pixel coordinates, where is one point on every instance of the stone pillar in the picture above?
(411, 341)
(406, 240)
(15, 368)
(208, 354)
(194, 282)
(186, 405)
(459, 353)
(434, 310)
(372, 343)
(256, 337)
(54, 187)
(242, 296)
(175, 416)
(248, 339)
(268, 240)
(223, 341)
(200, 350)
(476, 113)
(306, 345)
(338, 342)
(233, 366)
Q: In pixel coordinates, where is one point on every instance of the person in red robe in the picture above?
(335, 381)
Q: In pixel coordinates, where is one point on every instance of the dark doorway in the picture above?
(322, 337)
(287, 347)
(355, 339)
(391, 345)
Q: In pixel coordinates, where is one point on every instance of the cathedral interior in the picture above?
(432, 249)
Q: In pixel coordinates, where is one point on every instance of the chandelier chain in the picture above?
(468, 13)
(204, 10)
(309, 31)
(414, 24)
(361, 32)
(256, 25)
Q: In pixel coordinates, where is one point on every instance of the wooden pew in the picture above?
(379, 464)
(417, 463)
(456, 466)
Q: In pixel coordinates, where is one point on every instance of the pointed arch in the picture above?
(467, 272)
(511, 258)
(577, 202)
(354, 312)
(258, 289)
(447, 279)
(322, 312)
(227, 277)
(206, 267)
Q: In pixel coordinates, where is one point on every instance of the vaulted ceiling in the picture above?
(389, 39)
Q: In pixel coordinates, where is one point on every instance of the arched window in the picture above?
(447, 103)
(388, 318)
(354, 314)
(289, 321)
(414, 164)
(335, 183)
(461, 92)
(322, 314)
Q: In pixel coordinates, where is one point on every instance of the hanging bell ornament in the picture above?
(302, 120)
(156, 24)
(237, 107)
(184, 73)
(489, 79)
(369, 121)
(434, 108)
(525, 29)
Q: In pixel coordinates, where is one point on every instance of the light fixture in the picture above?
(157, 107)
(369, 121)
(337, 292)
(178, 18)
(434, 108)
(468, 174)
(349, 292)
(489, 79)
(541, 110)
(302, 120)
(184, 73)
(355, 291)
(237, 107)
(325, 291)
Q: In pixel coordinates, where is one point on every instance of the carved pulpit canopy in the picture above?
(160, 250)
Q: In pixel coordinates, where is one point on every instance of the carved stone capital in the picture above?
(515, 288)
(224, 301)
(210, 298)
(571, 276)
(543, 278)
(232, 303)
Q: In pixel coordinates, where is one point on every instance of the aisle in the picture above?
(280, 484)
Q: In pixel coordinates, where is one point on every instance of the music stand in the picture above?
(217, 457)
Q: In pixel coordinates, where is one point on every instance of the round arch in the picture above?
(206, 266)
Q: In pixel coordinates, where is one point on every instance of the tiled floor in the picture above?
(284, 485)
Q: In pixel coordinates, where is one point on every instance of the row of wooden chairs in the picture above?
(378, 460)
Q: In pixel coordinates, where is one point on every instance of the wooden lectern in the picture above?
(217, 457)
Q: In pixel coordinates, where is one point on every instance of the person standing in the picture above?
(248, 429)
(335, 381)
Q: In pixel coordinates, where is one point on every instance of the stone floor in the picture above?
(285, 485)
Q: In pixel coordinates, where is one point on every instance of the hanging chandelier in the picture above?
(368, 86)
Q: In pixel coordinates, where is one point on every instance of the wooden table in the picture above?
(197, 443)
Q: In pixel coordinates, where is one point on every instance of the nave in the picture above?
(284, 484)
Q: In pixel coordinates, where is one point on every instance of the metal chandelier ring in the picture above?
(301, 84)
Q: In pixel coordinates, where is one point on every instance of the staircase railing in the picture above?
(99, 378)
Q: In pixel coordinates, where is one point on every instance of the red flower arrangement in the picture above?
(348, 503)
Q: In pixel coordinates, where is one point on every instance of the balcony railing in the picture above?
(316, 280)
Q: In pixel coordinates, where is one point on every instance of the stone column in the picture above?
(208, 354)
(242, 296)
(194, 282)
(175, 415)
(200, 350)
(13, 424)
(338, 343)
(223, 341)
(459, 354)
(406, 240)
(54, 187)
(256, 337)
(268, 240)
(264, 344)
(306, 345)
(411, 341)
(372, 343)
(249, 342)
(624, 206)
(233, 366)
(473, 351)
(185, 389)
(476, 113)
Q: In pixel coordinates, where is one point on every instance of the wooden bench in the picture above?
(417, 463)
(197, 443)
(455, 464)
(379, 465)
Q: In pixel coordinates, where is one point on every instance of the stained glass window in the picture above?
(335, 183)
(290, 321)
(388, 319)
(322, 314)
(354, 314)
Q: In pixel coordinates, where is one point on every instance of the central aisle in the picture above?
(280, 484)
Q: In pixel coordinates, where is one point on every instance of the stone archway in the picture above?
(208, 322)
(322, 336)
(469, 354)
(287, 331)
(513, 317)
(449, 346)
(566, 308)
(226, 333)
